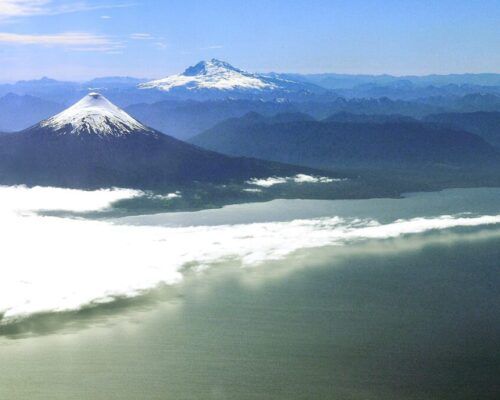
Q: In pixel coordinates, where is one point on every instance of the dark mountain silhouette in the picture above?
(484, 124)
(185, 119)
(96, 144)
(400, 144)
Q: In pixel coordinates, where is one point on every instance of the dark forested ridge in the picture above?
(386, 142)
(482, 123)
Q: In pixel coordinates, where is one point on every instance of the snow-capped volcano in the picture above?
(94, 114)
(96, 144)
(216, 74)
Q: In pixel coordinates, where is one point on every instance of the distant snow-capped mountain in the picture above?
(213, 74)
(220, 76)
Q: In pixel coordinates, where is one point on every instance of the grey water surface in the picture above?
(415, 317)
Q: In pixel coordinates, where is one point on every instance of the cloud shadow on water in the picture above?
(98, 314)
(41, 324)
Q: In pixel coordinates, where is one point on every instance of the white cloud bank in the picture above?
(51, 264)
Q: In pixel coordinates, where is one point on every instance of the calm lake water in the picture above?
(411, 316)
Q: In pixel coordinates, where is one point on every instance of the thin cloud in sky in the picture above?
(27, 8)
(21, 8)
(156, 41)
(212, 47)
(76, 40)
(102, 49)
(161, 45)
(141, 36)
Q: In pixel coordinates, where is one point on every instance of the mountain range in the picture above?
(216, 79)
(350, 142)
(96, 144)
(186, 104)
(227, 114)
(186, 118)
(401, 87)
(207, 80)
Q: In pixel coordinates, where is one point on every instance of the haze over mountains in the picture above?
(20, 111)
(96, 144)
(209, 92)
(325, 120)
(401, 87)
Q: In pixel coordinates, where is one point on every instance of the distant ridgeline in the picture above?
(185, 118)
(448, 122)
(186, 104)
(350, 141)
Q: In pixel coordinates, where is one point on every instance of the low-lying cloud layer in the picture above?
(52, 264)
(299, 178)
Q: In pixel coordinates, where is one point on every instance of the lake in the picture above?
(288, 299)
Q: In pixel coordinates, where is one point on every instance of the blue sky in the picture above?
(154, 38)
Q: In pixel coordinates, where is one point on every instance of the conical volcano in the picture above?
(96, 144)
(94, 114)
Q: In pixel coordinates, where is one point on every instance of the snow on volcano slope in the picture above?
(94, 114)
(213, 74)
